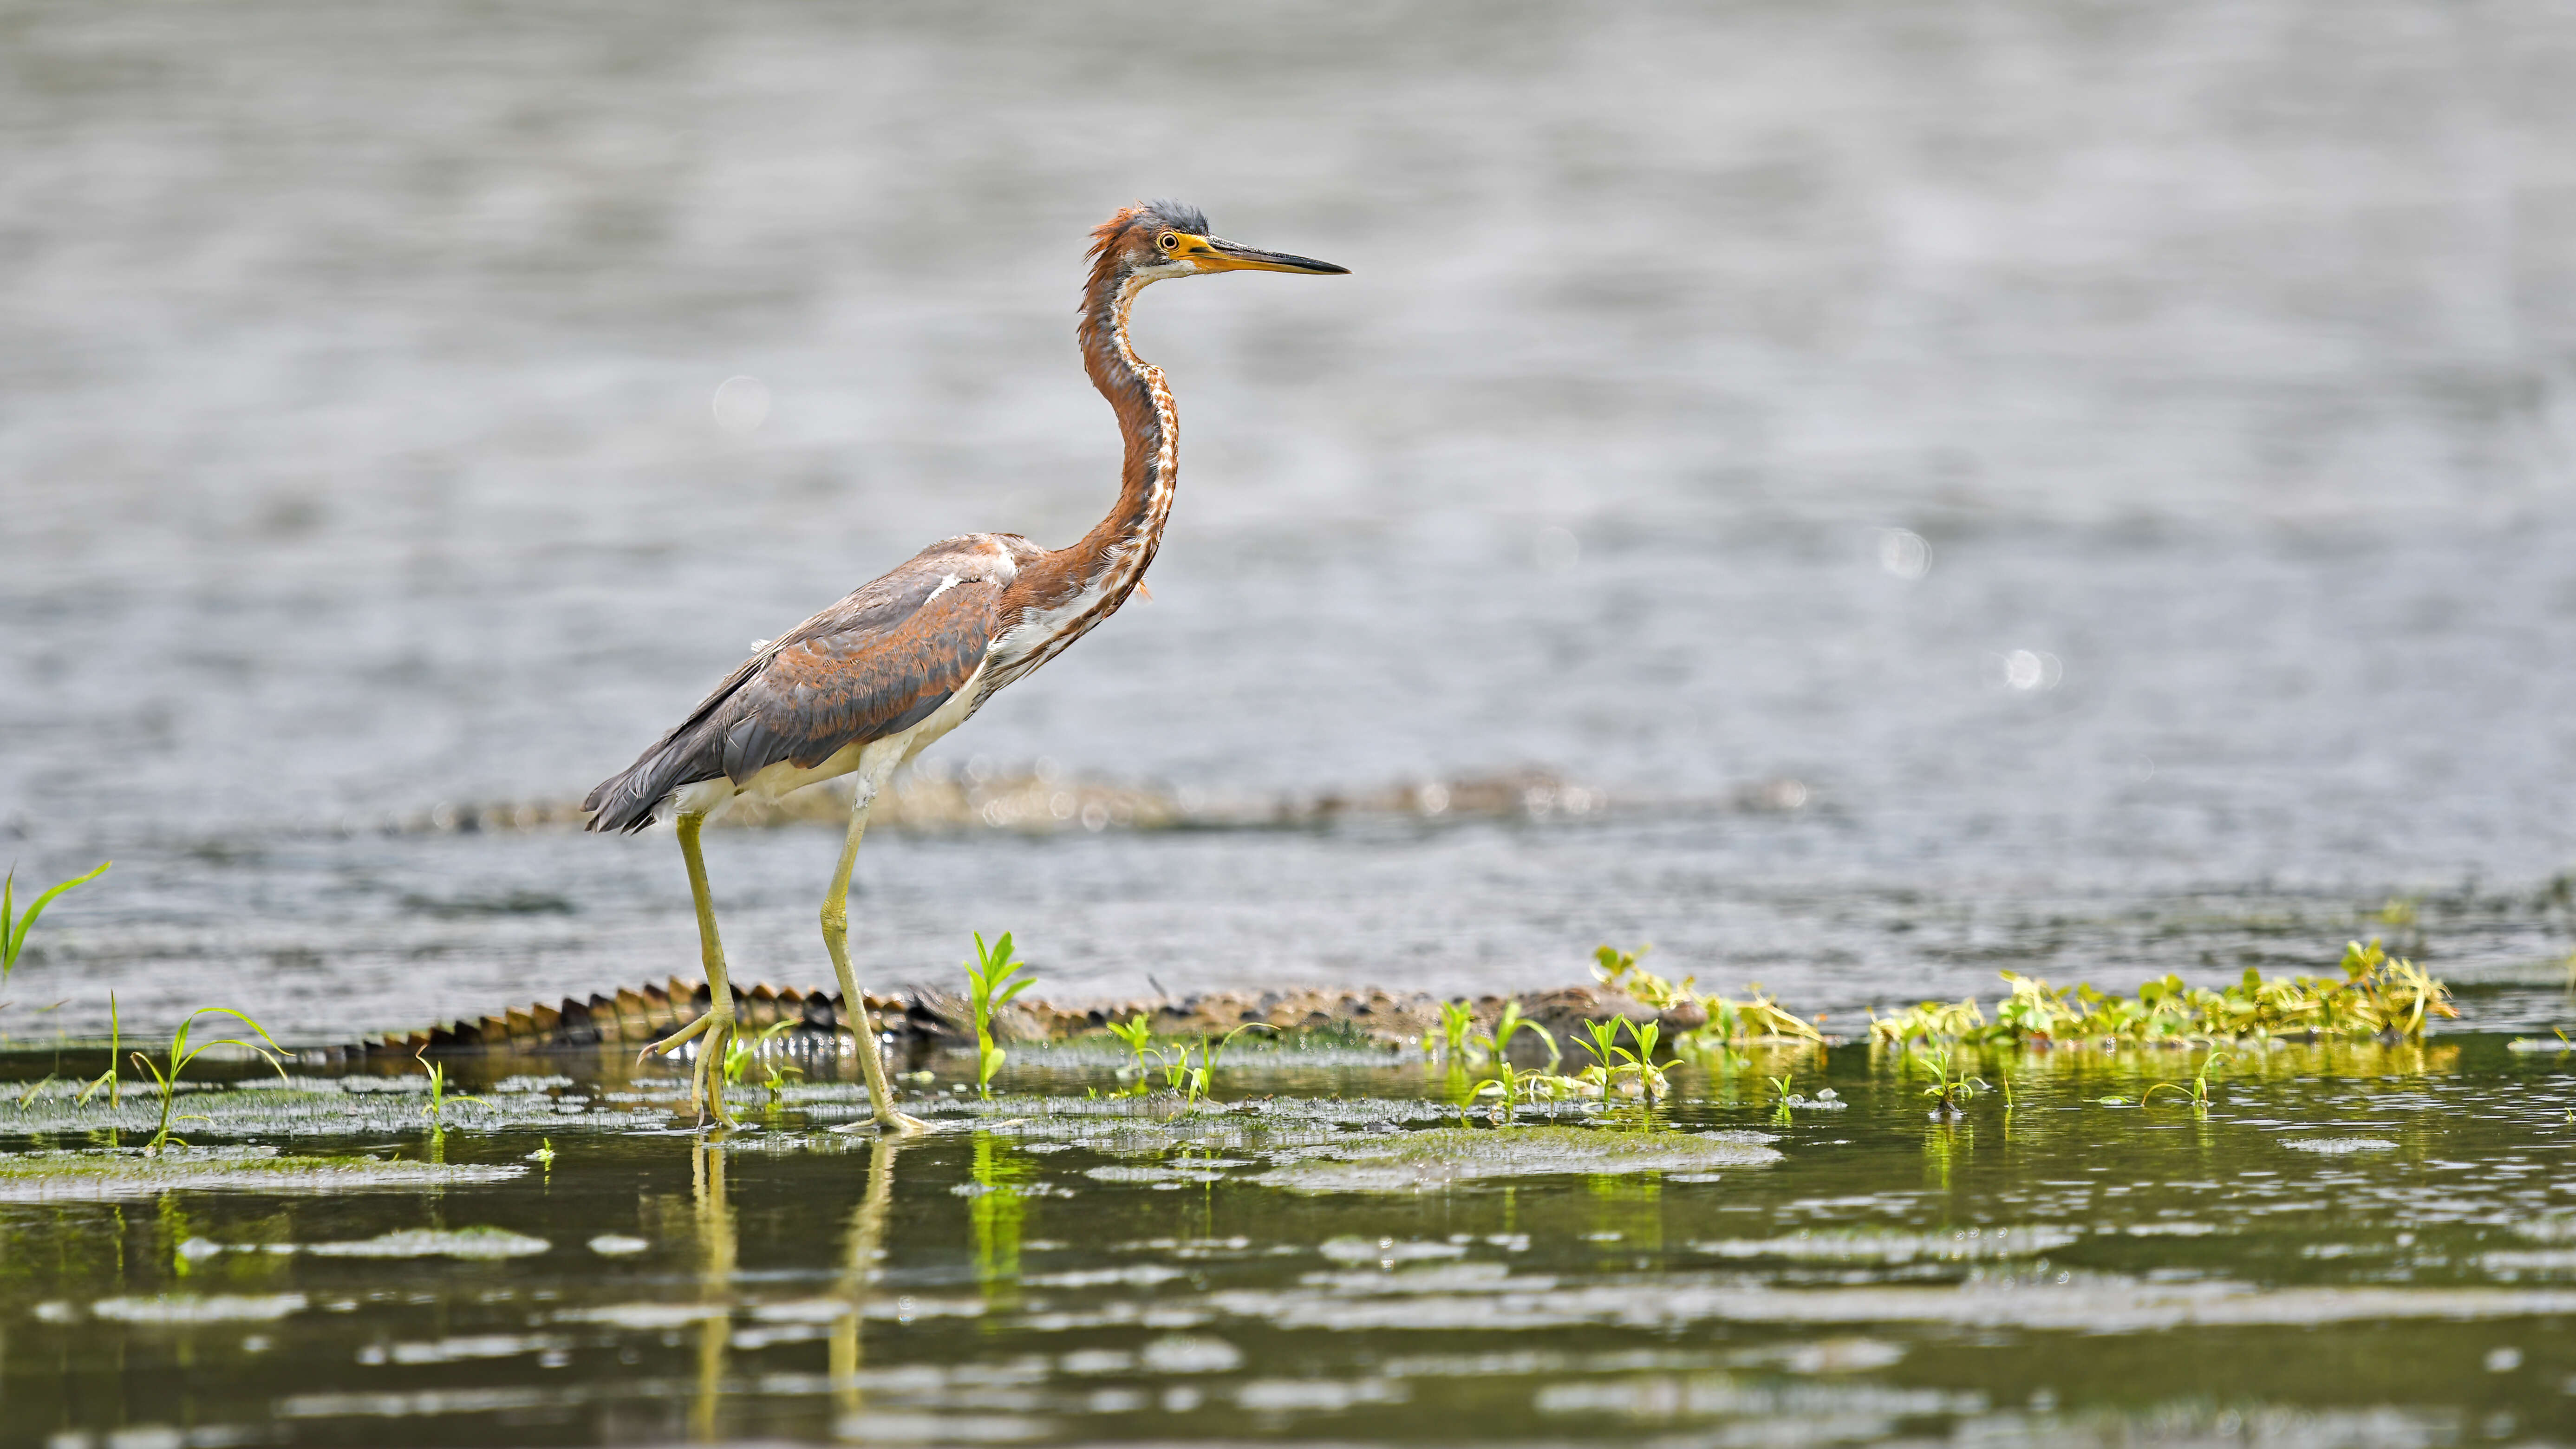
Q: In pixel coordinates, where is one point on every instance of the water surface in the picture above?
(2349, 1245)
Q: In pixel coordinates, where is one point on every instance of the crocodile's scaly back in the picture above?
(634, 1017)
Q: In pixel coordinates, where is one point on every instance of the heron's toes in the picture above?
(711, 1066)
(897, 1124)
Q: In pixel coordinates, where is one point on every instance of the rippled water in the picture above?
(2116, 460)
(2350, 1245)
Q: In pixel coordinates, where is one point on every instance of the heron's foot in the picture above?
(707, 1082)
(891, 1123)
(671, 1044)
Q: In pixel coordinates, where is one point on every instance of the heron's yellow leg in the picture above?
(707, 1082)
(854, 1003)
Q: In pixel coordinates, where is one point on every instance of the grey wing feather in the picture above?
(874, 664)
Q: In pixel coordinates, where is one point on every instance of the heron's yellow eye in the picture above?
(1168, 241)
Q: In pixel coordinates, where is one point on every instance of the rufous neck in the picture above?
(1146, 419)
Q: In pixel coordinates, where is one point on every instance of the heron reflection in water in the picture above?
(873, 680)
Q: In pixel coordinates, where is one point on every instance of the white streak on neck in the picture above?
(1045, 633)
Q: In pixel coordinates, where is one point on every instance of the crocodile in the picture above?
(928, 1018)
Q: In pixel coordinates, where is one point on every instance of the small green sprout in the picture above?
(1507, 1087)
(1610, 1060)
(740, 1054)
(439, 1096)
(181, 1054)
(1202, 1076)
(33, 1088)
(1951, 1091)
(115, 1045)
(1641, 1060)
(2197, 1094)
(1144, 1057)
(1137, 1031)
(14, 927)
(1515, 1086)
(775, 1072)
(993, 978)
(1457, 1027)
(1604, 1043)
(1511, 1024)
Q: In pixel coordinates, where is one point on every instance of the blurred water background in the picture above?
(2115, 460)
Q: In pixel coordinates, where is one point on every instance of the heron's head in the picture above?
(1159, 239)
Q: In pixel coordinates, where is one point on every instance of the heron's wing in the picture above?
(872, 665)
(860, 671)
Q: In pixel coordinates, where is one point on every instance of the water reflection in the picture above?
(718, 1251)
(864, 1246)
(995, 1208)
(1885, 1276)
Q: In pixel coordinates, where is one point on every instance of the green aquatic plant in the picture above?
(1758, 1017)
(1929, 1021)
(439, 1097)
(1510, 1084)
(1514, 1086)
(1780, 1099)
(1506, 1085)
(1604, 1044)
(1457, 1027)
(740, 1054)
(1610, 1060)
(1951, 1090)
(1511, 1024)
(1137, 1032)
(181, 1054)
(1203, 1076)
(2379, 995)
(1641, 1060)
(992, 978)
(2197, 1094)
(14, 927)
(115, 1045)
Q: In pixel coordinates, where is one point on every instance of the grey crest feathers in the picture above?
(1126, 240)
(1177, 216)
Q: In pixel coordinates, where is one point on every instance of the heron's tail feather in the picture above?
(631, 799)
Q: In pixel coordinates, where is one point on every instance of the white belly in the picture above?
(873, 761)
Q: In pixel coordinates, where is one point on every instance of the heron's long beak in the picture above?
(1213, 255)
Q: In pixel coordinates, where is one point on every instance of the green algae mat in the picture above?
(2342, 1244)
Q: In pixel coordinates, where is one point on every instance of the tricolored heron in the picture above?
(870, 682)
